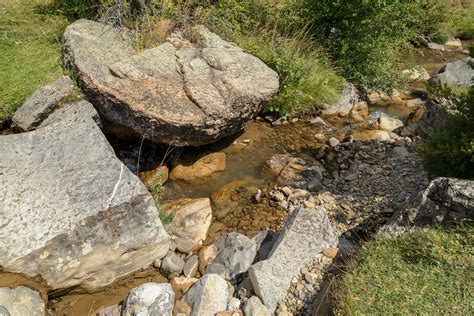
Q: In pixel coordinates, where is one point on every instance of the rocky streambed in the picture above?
(247, 225)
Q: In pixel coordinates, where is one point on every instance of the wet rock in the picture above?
(42, 103)
(254, 307)
(458, 73)
(190, 221)
(191, 266)
(208, 296)
(149, 299)
(158, 175)
(348, 99)
(389, 124)
(181, 285)
(114, 310)
(360, 111)
(223, 196)
(202, 170)
(367, 135)
(172, 263)
(305, 235)
(78, 217)
(20, 301)
(190, 90)
(235, 252)
(75, 112)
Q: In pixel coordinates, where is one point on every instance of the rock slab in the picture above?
(305, 235)
(70, 211)
(42, 103)
(189, 91)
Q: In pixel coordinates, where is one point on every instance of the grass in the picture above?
(462, 21)
(424, 273)
(30, 51)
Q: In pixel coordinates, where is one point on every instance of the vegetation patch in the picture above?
(30, 51)
(430, 272)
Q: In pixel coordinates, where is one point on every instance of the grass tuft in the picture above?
(423, 273)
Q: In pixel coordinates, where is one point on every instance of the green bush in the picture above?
(462, 21)
(365, 36)
(450, 152)
(424, 273)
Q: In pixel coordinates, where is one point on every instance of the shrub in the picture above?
(450, 152)
(462, 21)
(365, 36)
(423, 273)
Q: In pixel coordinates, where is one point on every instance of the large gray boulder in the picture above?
(70, 211)
(42, 103)
(305, 235)
(458, 73)
(348, 99)
(149, 299)
(190, 90)
(20, 301)
(208, 296)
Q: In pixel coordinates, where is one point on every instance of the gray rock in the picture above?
(254, 307)
(399, 152)
(208, 296)
(191, 266)
(114, 310)
(234, 304)
(75, 112)
(348, 100)
(333, 141)
(42, 103)
(305, 235)
(236, 253)
(70, 211)
(388, 123)
(445, 201)
(435, 46)
(172, 263)
(149, 299)
(190, 90)
(458, 73)
(20, 301)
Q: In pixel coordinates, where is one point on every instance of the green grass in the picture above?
(165, 218)
(30, 51)
(462, 21)
(425, 273)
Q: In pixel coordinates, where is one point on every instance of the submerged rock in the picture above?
(20, 301)
(42, 103)
(208, 296)
(71, 212)
(149, 299)
(458, 73)
(305, 235)
(186, 91)
(190, 222)
(202, 170)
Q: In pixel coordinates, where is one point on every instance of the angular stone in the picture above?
(348, 99)
(42, 103)
(236, 253)
(457, 73)
(181, 307)
(305, 235)
(208, 296)
(387, 123)
(172, 263)
(191, 266)
(71, 212)
(206, 255)
(21, 301)
(254, 307)
(181, 285)
(190, 90)
(149, 299)
(202, 170)
(114, 310)
(75, 112)
(191, 219)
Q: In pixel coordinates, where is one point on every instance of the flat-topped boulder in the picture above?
(193, 89)
(457, 73)
(71, 212)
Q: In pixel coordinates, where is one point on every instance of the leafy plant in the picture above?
(165, 218)
(156, 185)
(450, 152)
